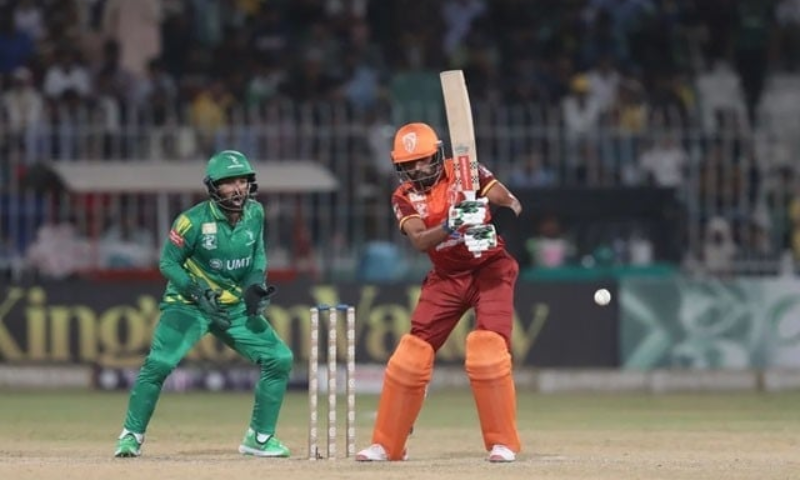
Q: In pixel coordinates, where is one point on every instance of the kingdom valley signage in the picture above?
(111, 323)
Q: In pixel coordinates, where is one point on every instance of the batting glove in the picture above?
(480, 238)
(467, 213)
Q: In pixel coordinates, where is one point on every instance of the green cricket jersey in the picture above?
(204, 247)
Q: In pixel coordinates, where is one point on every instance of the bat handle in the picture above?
(469, 195)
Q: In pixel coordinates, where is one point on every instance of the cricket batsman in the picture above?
(215, 263)
(471, 269)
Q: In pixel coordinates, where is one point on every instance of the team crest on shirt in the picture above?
(209, 228)
(209, 242)
(251, 238)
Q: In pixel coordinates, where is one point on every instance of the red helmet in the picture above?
(417, 141)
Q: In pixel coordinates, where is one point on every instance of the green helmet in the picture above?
(229, 164)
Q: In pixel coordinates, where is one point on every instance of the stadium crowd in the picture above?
(77, 76)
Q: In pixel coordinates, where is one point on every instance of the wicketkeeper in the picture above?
(215, 263)
(471, 269)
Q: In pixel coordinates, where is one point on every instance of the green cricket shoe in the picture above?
(129, 444)
(272, 447)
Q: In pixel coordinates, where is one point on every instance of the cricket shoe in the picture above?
(376, 453)
(261, 445)
(129, 444)
(501, 454)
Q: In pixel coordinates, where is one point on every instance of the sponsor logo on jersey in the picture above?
(209, 242)
(176, 238)
(236, 263)
(209, 228)
(215, 264)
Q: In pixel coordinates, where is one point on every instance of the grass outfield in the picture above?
(195, 435)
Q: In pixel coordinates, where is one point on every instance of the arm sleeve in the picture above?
(258, 271)
(486, 179)
(403, 210)
(178, 247)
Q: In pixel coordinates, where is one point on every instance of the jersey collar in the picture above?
(216, 212)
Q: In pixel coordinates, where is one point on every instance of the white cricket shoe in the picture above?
(501, 454)
(376, 453)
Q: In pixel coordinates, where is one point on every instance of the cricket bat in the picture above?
(462, 132)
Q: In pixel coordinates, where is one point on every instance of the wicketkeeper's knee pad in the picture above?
(488, 365)
(407, 375)
(156, 368)
(280, 361)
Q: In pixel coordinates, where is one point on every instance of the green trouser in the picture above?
(179, 329)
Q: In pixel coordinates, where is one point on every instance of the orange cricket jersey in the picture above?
(450, 255)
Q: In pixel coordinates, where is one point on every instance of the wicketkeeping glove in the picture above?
(208, 301)
(467, 213)
(480, 238)
(257, 298)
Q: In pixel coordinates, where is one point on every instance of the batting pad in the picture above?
(488, 365)
(407, 374)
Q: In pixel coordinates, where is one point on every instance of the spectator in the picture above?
(270, 37)
(458, 16)
(550, 248)
(630, 111)
(128, 243)
(23, 105)
(66, 74)
(533, 172)
(156, 91)
(266, 83)
(135, 25)
(719, 88)
(12, 263)
(16, 46)
(58, 252)
(751, 40)
(121, 83)
(665, 163)
(362, 83)
(107, 115)
(604, 82)
(28, 19)
(209, 113)
(788, 34)
(719, 248)
(581, 112)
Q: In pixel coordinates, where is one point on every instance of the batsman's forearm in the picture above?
(500, 195)
(423, 240)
